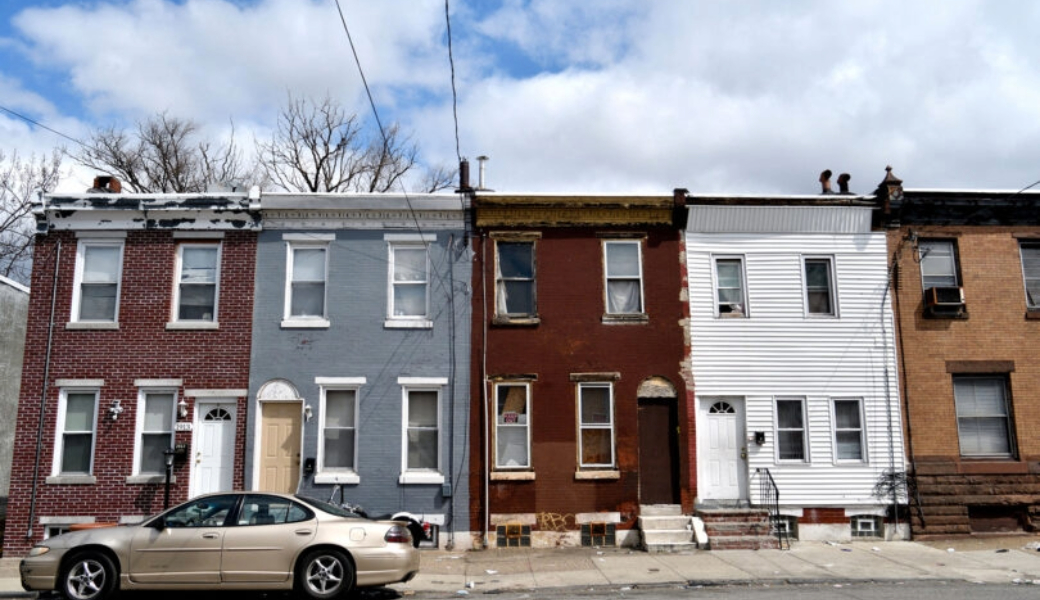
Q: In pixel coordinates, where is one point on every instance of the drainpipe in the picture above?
(451, 390)
(484, 393)
(43, 396)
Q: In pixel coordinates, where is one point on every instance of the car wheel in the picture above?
(88, 576)
(323, 574)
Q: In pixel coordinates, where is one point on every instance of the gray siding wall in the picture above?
(14, 307)
(357, 344)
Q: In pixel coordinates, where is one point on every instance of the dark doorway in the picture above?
(658, 451)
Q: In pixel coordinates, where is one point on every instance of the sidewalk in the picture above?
(1010, 560)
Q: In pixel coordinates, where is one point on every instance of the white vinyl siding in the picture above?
(782, 352)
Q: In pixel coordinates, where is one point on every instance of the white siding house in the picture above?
(794, 360)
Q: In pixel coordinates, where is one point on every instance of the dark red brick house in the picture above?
(138, 342)
(581, 413)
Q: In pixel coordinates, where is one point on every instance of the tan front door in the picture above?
(280, 446)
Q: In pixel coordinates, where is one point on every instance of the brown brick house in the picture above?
(580, 412)
(966, 282)
(137, 342)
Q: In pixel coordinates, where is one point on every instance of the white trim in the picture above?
(198, 235)
(102, 235)
(178, 273)
(420, 475)
(232, 393)
(293, 321)
(309, 237)
(258, 431)
(298, 323)
(422, 381)
(340, 380)
(391, 283)
(59, 438)
(330, 477)
(862, 431)
(142, 407)
(212, 397)
(397, 323)
(424, 238)
(526, 385)
(85, 383)
(92, 325)
(806, 457)
(158, 382)
(70, 520)
(77, 284)
(832, 282)
(320, 468)
(190, 325)
(600, 517)
(606, 276)
(745, 296)
(14, 284)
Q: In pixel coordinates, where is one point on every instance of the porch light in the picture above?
(115, 409)
(182, 408)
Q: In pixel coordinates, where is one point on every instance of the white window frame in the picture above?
(77, 289)
(501, 280)
(607, 278)
(139, 431)
(422, 321)
(609, 386)
(526, 426)
(59, 430)
(832, 287)
(861, 430)
(778, 430)
(421, 384)
(179, 283)
(1032, 304)
(715, 259)
(347, 475)
(922, 253)
(305, 242)
(1009, 427)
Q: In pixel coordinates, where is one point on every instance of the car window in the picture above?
(268, 510)
(204, 512)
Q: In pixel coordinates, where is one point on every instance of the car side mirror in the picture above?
(159, 524)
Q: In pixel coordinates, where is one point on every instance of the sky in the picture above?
(567, 96)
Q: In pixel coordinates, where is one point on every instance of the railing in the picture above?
(770, 497)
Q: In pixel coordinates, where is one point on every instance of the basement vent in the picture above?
(513, 535)
(866, 527)
(786, 525)
(598, 534)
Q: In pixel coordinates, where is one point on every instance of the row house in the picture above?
(793, 359)
(359, 375)
(137, 343)
(966, 284)
(580, 412)
(14, 307)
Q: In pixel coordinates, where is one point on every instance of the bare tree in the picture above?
(163, 155)
(20, 182)
(318, 147)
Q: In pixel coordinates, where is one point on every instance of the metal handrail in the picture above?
(770, 497)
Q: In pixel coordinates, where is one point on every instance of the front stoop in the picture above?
(664, 528)
(738, 529)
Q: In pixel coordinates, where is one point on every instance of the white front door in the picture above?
(214, 447)
(723, 449)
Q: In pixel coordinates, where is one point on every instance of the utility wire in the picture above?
(42, 126)
(454, 94)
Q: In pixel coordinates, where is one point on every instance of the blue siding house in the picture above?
(359, 372)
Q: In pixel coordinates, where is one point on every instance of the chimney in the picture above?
(843, 183)
(825, 182)
(106, 184)
(480, 181)
(464, 175)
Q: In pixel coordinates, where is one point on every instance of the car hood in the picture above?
(89, 536)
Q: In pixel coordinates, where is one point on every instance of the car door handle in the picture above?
(210, 536)
(303, 532)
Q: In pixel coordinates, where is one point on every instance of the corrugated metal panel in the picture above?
(779, 219)
(780, 351)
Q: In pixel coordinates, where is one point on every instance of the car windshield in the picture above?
(332, 509)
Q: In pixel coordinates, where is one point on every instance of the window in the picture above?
(270, 510)
(307, 271)
(1031, 274)
(866, 526)
(983, 418)
(729, 287)
(790, 429)
(512, 426)
(624, 274)
(514, 279)
(938, 264)
(819, 286)
(198, 272)
(408, 281)
(596, 424)
(155, 418)
(338, 431)
(99, 265)
(209, 511)
(848, 430)
(77, 421)
(421, 436)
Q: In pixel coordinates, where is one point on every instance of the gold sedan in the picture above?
(228, 541)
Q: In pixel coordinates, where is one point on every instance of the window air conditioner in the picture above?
(946, 297)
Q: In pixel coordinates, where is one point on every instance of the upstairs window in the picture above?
(983, 416)
(515, 279)
(730, 297)
(938, 264)
(819, 286)
(198, 271)
(409, 282)
(1031, 274)
(99, 266)
(624, 277)
(307, 273)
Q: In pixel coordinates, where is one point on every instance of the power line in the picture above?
(454, 94)
(41, 125)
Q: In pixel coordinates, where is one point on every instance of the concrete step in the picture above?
(660, 510)
(676, 536)
(670, 522)
(744, 542)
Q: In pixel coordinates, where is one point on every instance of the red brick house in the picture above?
(581, 413)
(966, 283)
(138, 342)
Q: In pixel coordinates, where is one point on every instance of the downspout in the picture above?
(484, 391)
(43, 395)
(888, 395)
(451, 389)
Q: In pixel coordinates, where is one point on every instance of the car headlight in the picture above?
(39, 551)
